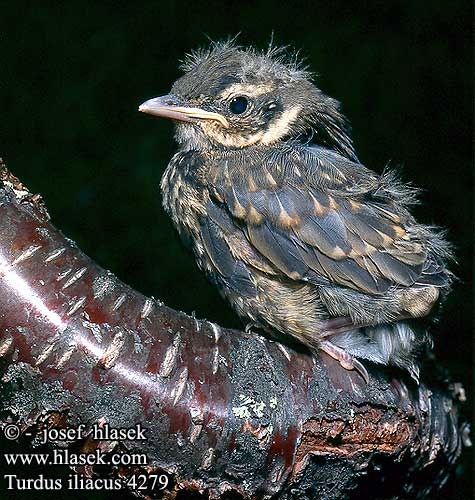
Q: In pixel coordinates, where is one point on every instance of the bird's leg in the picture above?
(332, 326)
(346, 360)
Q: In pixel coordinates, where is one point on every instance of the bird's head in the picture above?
(234, 97)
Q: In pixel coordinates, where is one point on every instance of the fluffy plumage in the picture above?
(299, 236)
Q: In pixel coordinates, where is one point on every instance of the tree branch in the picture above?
(225, 411)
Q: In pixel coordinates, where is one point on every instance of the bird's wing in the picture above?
(310, 234)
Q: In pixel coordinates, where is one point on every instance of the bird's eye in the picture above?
(238, 105)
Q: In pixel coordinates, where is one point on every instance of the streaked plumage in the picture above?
(297, 235)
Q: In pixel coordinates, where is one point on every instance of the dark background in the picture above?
(72, 77)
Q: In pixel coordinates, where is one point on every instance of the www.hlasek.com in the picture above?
(98, 457)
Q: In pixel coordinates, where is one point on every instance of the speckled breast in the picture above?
(184, 192)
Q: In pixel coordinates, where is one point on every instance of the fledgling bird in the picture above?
(295, 232)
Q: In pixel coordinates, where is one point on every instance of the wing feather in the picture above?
(317, 235)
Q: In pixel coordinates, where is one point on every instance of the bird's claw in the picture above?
(359, 367)
(346, 360)
(250, 326)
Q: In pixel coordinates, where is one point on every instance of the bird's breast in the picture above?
(184, 193)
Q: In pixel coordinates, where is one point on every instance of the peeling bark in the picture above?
(228, 414)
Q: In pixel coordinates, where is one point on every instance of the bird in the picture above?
(303, 240)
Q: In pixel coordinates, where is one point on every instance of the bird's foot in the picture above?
(346, 360)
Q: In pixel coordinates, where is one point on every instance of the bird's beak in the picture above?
(169, 106)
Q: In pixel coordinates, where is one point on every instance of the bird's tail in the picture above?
(398, 344)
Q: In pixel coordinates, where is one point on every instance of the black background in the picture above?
(73, 75)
